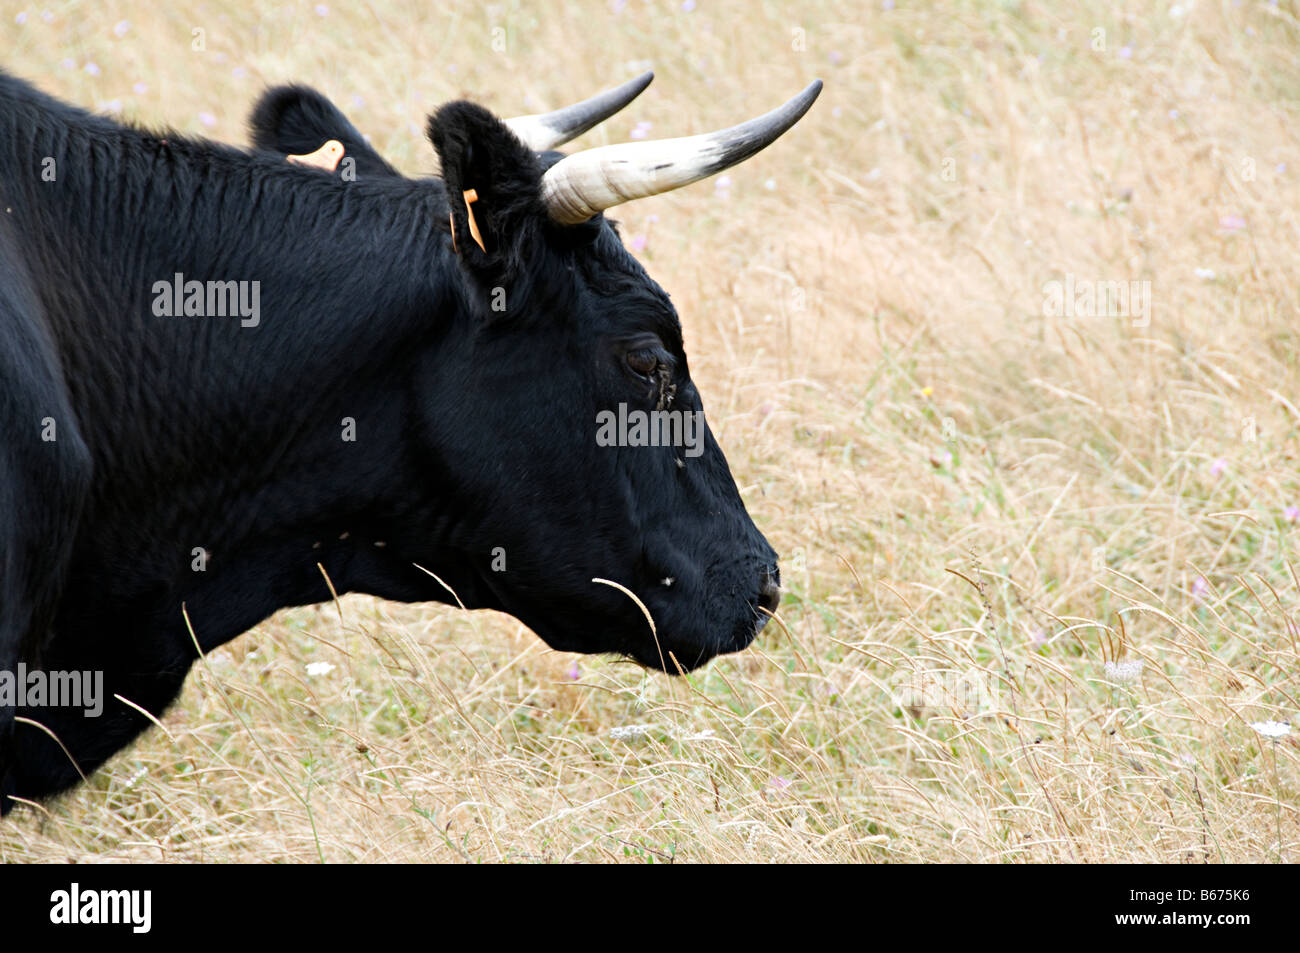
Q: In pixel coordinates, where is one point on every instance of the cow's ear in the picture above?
(296, 120)
(482, 157)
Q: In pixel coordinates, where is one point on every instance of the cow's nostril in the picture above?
(769, 590)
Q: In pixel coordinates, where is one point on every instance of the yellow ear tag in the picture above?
(326, 157)
(471, 196)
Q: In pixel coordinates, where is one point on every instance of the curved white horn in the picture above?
(544, 131)
(585, 183)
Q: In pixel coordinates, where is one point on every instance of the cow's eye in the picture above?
(643, 361)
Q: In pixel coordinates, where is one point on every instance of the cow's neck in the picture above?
(214, 436)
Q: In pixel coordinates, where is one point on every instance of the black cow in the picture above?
(408, 400)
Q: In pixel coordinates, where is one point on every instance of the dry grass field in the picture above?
(1041, 568)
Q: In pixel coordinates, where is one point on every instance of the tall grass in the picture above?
(1040, 571)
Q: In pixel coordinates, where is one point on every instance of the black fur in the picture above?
(475, 426)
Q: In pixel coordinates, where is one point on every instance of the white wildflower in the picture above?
(319, 668)
(136, 778)
(630, 732)
(1124, 673)
(1272, 729)
(704, 735)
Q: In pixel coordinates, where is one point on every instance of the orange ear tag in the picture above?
(326, 157)
(471, 196)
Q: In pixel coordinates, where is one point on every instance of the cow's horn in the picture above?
(548, 130)
(580, 185)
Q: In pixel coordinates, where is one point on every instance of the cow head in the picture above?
(580, 488)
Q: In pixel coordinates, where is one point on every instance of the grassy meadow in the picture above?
(1040, 562)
